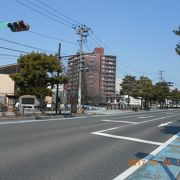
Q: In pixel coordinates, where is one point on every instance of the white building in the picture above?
(118, 87)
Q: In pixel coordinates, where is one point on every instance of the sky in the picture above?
(138, 32)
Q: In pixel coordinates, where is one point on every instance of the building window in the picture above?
(2, 99)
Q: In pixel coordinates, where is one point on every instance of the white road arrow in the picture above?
(165, 124)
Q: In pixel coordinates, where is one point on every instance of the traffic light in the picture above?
(18, 26)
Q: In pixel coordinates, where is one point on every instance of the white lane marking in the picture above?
(40, 120)
(143, 117)
(106, 120)
(127, 138)
(133, 124)
(123, 117)
(169, 113)
(108, 129)
(132, 169)
(118, 127)
(165, 124)
(155, 119)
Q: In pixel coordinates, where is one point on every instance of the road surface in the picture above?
(96, 147)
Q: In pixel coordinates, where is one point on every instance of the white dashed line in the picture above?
(143, 117)
(165, 124)
(106, 120)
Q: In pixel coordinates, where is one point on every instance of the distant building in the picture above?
(118, 87)
(98, 77)
(9, 69)
(7, 86)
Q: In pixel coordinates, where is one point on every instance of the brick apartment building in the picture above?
(98, 77)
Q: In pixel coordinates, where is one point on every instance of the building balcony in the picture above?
(109, 85)
(107, 80)
(107, 75)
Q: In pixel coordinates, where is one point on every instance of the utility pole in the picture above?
(83, 32)
(57, 89)
(161, 75)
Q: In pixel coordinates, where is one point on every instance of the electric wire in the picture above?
(102, 42)
(32, 47)
(40, 34)
(10, 49)
(54, 10)
(51, 37)
(43, 14)
(30, 2)
(8, 55)
(132, 67)
(173, 79)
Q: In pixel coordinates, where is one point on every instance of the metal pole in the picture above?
(57, 89)
(161, 76)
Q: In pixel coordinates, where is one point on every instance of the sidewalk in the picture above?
(12, 116)
(162, 165)
(52, 113)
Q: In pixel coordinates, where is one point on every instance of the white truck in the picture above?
(28, 104)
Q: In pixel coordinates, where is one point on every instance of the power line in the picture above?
(25, 14)
(8, 55)
(133, 68)
(51, 37)
(102, 42)
(88, 48)
(30, 2)
(13, 42)
(54, 15)
(94, 41)
(54, 10)
(10, 49)
(45, 15)
(129, 66)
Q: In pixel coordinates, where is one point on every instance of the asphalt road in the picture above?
(86, 148)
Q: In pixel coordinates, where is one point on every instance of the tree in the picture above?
(37, 72)
(175, 96)
(177, 49)
(161, 92)
(144, 90)
(128, 86)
